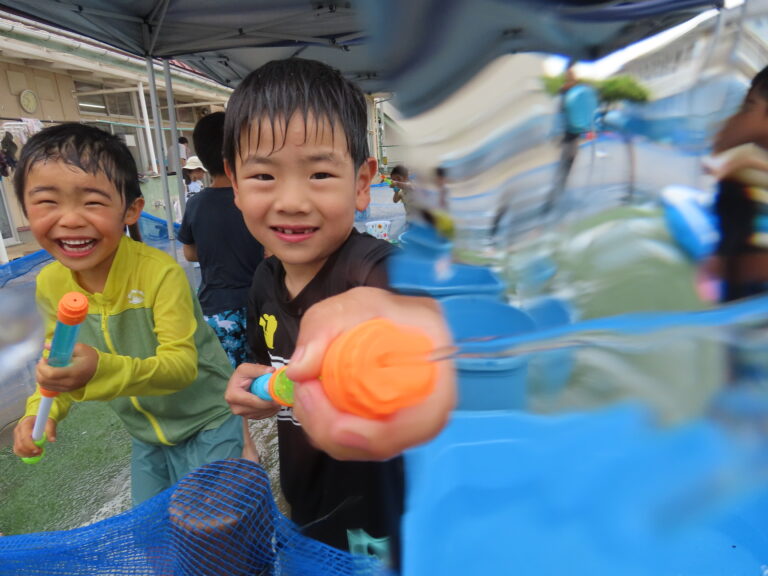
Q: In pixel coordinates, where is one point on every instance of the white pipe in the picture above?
(182, 189)
(3, 251)
(147, 129)
(104, 91)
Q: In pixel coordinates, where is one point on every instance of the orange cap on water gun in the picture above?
(361, 375)
(73, 308)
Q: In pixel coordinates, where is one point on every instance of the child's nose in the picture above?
(71, 219)
(293, 197)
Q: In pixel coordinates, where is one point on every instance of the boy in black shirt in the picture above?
(296, 150)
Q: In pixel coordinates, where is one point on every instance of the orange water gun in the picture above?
(362, 373)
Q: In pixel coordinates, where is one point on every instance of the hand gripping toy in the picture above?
(73, 308)
(362, 371)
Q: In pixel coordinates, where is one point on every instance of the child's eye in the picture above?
(321, 175)
(262, 177)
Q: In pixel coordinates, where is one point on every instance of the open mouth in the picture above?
(80, 246)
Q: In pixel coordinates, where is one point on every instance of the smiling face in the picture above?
(79, 218)
(298, 190)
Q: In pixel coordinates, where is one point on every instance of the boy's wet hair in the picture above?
(760, 83)
(281, 88)
(86, 147)
(208, 137)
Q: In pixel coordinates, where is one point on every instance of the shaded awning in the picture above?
(424, 49)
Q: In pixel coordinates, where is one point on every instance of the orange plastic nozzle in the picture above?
(47, 393)
(360, 376)
(73, 308)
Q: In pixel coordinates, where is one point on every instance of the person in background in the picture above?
(182, 150)
(296, 150)
(214, 234)
(740, 164)
(578, 104)
(401, 188)
(195, 171)
(144, 346)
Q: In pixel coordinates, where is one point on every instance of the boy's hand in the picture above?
(23, 446)
(348, 437)
(238, 394)
(85, 360)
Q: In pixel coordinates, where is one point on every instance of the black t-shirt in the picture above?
(327, 496)
(227, 252)
(736, 213)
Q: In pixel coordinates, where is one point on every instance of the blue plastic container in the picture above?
(588, 494)
(422, 241)
(693, 227)
(487, 383)
(441, 278)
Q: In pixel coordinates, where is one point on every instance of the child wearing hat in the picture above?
(196, 171)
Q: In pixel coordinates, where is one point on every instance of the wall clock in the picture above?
(28, 101)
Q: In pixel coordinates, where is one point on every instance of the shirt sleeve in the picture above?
(173, 367)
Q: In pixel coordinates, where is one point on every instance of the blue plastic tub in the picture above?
(487, 383)
(441, 278)
(606, 492)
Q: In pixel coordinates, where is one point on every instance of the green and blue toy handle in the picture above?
(72, 310)
(274, 387)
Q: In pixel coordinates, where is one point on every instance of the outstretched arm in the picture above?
(348, 437)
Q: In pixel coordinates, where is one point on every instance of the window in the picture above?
(90, 104)
(120, 104)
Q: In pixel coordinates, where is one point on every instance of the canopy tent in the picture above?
(424, 49)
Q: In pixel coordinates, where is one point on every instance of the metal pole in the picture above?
(182, 189)
(159, 148)
(147, 129)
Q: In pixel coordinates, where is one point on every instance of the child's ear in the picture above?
(365, 176)
(231, 175)
(134, 211)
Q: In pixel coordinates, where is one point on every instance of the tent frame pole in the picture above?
(160, 151)
(182, 189)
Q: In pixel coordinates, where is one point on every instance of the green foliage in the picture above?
(610, 91)
(621, 88)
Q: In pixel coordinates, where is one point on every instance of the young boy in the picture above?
(214, 234)
(401, 187)
(144, 346)
(295, 148)
(741, 205)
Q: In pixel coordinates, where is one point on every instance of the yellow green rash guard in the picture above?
(161, 367)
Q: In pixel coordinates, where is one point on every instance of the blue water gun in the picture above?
(72, 310)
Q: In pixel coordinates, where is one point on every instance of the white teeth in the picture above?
(77, 245)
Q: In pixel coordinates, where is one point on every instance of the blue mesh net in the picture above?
(22, 267)
(220, 519)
